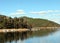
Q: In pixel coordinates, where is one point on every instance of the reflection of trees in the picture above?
(9, 37)
(24, 35)
(1, 38)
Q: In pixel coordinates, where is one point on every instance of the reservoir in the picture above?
(40, 36)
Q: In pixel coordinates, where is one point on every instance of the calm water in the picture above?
(42, 36)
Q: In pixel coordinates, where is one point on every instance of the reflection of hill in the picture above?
(42, 33)
(9, 37)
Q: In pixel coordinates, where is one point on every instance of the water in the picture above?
(42, 36)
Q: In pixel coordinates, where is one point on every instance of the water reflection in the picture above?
(15, 36)
(9, 37)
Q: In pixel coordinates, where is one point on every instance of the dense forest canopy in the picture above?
(8, 22)
(24, 22)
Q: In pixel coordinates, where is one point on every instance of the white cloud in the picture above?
(3, 13)
(18, 12)
(45, 12)
(40, 12)
(53, 11)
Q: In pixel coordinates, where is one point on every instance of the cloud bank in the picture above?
(18, 12)
(45, 12)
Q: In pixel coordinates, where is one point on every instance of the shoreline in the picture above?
(13, 30)
(25, 29)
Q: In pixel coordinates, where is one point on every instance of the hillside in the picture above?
(37, 22)
(25, 22)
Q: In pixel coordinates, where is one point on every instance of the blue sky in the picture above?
(45, 9)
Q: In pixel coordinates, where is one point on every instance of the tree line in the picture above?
(9, 22)
(24, 22)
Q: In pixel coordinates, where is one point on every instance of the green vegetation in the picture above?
(24, 22)
(37, 22)
(9, 23)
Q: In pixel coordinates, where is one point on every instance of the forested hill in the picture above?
(37, 22)
(24, 22)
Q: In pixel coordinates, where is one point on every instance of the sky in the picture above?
(45, 9)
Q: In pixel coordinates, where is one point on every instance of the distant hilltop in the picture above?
(38, 22)
(25, 22)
